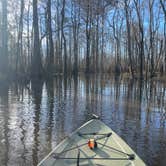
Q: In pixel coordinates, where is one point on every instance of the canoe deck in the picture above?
(108, 149)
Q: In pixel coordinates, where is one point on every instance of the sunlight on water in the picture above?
(36, 116)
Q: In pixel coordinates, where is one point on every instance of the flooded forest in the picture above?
(45, 38)
(63, 60)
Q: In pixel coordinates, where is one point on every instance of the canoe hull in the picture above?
(110, 151)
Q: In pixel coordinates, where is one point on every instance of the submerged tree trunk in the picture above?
(36, 68)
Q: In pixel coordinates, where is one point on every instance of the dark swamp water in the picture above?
(35, 116)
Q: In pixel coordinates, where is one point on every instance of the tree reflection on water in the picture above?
(35, 116)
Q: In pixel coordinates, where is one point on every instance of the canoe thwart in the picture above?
(104, 134)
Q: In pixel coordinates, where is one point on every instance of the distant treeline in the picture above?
(93, 36)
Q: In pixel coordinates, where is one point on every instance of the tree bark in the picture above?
(75, 22)
(151, 30)
(28, 36)
(63, 36)
(19, 59)
(164, 11)
(36, 68)
(141, 37)
(88, 39)
(50, 55)
(128, 36)
(4, 38)
(97, 44)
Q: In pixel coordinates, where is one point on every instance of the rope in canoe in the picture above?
(104, 135)
(92, 158)
(131, 156)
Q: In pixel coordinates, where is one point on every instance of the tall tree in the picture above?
(36, 68)
(102, 42)
(28, 36)
(4, 39)
(19, 59)
(128, 35)
(141, 35)
(50, 55)
(88, 34)
(163, 5)
(151, 33)
(116, 26)
(97, 39)
(63, 36)
(59, 38)
(75, 14)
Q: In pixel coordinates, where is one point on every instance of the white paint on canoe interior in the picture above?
(122, 149)
(62, 143)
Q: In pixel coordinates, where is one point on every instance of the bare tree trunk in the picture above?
(151, 30)
(59, 40)
(47, 40)
(164, 11)
(19, 59)
(116, 33)
(102, 46)
(93, 49)
(97, 44)
(63, 36)
(128, 36)
(50, 55)
(4, 38)
(141, 36)
(88, 39)
(75, 21)
(70, 69)
(28, 36)
(36, 68)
